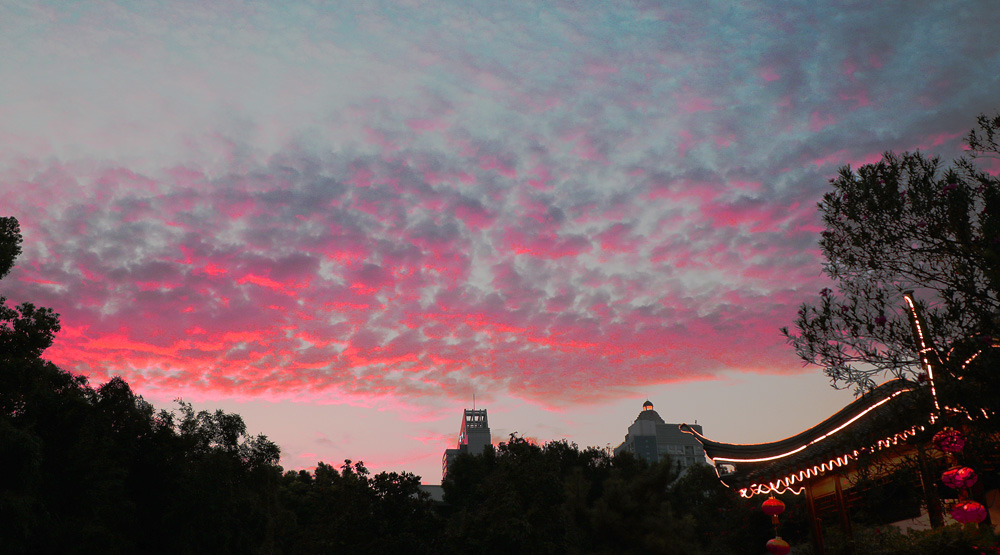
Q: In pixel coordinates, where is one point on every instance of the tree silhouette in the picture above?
(99, 470)
(904, 223)
(557, 498)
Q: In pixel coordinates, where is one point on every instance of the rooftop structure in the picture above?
(652, 439)
(473, 438)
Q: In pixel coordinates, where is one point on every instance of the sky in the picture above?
(347, 220)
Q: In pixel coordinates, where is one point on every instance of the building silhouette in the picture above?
(472, 438)
(652, 439)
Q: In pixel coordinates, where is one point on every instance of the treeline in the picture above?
(100, 470)
(557, 498)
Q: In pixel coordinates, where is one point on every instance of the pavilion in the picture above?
(839, 460)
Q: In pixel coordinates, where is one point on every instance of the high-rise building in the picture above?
(472, 438)
(652, 439)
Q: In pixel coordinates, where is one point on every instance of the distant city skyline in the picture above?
(343, 220)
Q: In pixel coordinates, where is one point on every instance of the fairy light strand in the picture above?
(924, 349)
(786, 482)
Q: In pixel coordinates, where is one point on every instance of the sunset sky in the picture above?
(342, 220)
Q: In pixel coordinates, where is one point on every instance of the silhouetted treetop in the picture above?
(904, 223)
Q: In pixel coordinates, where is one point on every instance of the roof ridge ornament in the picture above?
(925, 349)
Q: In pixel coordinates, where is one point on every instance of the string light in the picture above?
(786, 483)
(818, 439)
(924, 349)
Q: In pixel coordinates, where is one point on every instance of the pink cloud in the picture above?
(584, 145)
(848, 68)
(545, 246)
(617, 238)
(267, 286)
(603, 70)
(859, 97)
(263, 281)
(724, 141)
(544, 177)
(691, 102)
(769, 74)
(818, 121)
(475, 216)
(756, 217)
(683, 189)
(586, 149)
(501, 166)
(427, 125)
(685, 143)
(842, 157)
(942, 138)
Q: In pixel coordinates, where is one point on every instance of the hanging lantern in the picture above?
(778, 546)
(960, 477)
(773, 507)
(968, 511)
(949, 440)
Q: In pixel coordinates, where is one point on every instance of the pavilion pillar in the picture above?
(817, 525)
(845, 521)
(928, 482)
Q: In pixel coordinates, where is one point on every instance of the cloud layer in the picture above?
(411, 201)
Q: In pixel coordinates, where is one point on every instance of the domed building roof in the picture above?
(649, 414)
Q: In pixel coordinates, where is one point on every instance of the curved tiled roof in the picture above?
(717, 449)
(812, 451)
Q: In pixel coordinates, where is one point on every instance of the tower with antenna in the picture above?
(473, 437)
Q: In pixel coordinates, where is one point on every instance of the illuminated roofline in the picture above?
(816, 440)
(785, 483)
(790, 445)
(788, 481)
(924, 349)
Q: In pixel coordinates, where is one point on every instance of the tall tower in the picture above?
(473, 438)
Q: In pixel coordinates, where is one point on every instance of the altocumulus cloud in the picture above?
(416, 201)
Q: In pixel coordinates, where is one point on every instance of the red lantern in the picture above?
(778, 546)
(949, 440)
(959, 477)
(773, 507)
(968, 511)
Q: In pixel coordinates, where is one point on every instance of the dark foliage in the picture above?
(100, 471)
(352, 511)
(10, 244)
(556, 498)
(905, 223)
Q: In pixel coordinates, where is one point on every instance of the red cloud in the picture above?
(406, 279)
